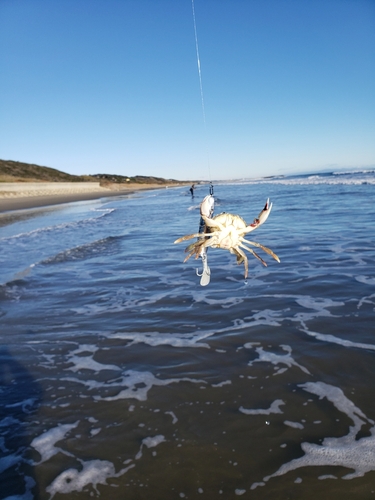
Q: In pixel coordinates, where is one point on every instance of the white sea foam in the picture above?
(276, 359)
(255, 485)
(318, 305)
(137, 384)
(50, 361)
(150, 442)
(319, 309)
(356, 179)
(345, 451)
(326, 337)
(87, 362)
(156, 338)
(93, 472)
(122, 301)
(193, 339)
(274, 408)
(355, 172)
(65, 225)
(226, 302)
(86, 250)
(45, 443)
(134, 379)
(366, 300)
(26, 405)
(366, 280)
(220, 384)
(295, 425)
(174, 418)
(336, 396)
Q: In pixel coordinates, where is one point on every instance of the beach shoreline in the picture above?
(22, 196)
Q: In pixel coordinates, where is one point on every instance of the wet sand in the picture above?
(19, 196)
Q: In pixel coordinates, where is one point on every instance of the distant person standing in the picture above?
(192, 190)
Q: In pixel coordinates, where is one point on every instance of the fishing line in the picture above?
(201, 89)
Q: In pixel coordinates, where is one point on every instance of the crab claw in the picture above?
(262, 217)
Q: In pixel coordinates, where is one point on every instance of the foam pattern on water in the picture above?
(123, 378)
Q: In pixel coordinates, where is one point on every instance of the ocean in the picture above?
(123, 378)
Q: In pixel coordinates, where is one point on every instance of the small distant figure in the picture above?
(192, 190)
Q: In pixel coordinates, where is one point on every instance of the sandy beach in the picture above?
(22, 195)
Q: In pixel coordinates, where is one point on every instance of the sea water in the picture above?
(123, 378)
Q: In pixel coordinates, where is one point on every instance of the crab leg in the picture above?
(196, 235)
(197, 248)
(244, 260)
(192, 252)
(238, 256)
(201, 245)
(254, 253)
(265, 249)
(194, 246)
(190, 236)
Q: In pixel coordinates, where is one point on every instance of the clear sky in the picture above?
(112, 86)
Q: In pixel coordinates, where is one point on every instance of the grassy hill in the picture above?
(11, 171)
(15, 171)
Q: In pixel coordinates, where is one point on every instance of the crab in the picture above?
(227, 231)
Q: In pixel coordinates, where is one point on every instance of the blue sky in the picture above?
(93, 86)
